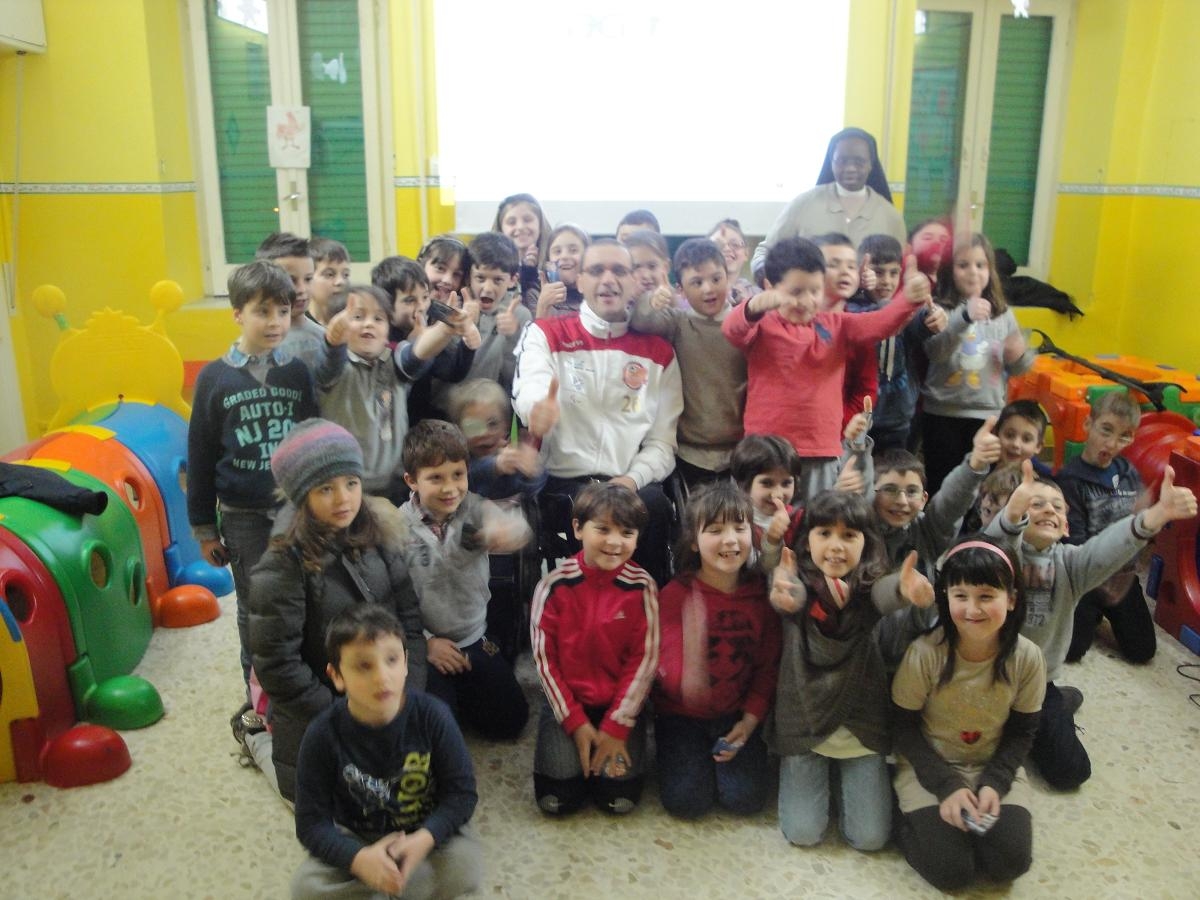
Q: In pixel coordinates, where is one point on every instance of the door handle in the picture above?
(293, 197)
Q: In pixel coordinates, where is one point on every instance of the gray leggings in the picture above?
(558, 780)
(451, 870)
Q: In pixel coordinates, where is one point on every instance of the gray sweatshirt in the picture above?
(967, 376)
(930, 534)
(1057, 577)
(450, 572)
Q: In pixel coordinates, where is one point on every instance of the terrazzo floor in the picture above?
(188, 822)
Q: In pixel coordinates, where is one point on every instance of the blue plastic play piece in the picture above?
(158, 438)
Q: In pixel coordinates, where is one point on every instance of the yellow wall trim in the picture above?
(92, 187)
(1182, 191)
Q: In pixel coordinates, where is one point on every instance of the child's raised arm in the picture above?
(656, 313)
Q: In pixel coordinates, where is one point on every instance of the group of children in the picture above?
(826, 606)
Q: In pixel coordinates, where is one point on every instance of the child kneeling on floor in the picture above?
(594, 632)
(966, 706)
(385, 786)
(718, 658)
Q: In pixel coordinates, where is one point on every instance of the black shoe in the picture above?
(1072, 698)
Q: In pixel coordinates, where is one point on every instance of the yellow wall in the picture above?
(108, 104)
(1129, 127)
(105, 105)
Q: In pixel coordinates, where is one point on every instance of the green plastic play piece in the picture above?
(98, 565)
(124, 702)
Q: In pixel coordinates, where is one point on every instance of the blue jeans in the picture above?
(246, 533)
(690, 782)
(865, 801)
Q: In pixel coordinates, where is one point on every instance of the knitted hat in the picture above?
(313, 452)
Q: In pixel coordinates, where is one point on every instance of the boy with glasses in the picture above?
(728, 235)
(909, 520)
(1101, 486)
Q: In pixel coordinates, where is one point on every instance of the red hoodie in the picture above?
(719, 652)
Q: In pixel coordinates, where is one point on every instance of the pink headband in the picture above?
(983, 545)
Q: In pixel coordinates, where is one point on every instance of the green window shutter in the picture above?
(1016, 132)
(939, 88)
(241, 91)
(331, 81)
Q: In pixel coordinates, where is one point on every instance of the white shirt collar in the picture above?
(599, 327)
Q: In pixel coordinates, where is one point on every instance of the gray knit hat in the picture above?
(313, 452)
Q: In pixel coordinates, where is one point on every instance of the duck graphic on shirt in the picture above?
(970, 358)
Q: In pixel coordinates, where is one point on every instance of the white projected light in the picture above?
(695, 111)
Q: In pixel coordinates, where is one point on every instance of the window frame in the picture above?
(285, 74)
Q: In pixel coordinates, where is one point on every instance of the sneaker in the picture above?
(246, 722)
(1072, 698)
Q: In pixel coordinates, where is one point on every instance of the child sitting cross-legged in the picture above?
(594, 633)
(718, 656)
(385, 787)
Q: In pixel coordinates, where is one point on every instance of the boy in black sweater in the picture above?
(1101, 486)
(244, 403)
(385, 786)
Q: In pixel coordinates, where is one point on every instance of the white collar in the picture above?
(599, 327)
(842, 192)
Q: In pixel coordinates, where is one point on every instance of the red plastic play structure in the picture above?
(1174, 581)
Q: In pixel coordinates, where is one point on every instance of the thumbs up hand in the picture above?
(337, 330)
(779, 523)
(850, 480)
(507, 322)
(867, 279)
(545, 413)
(985, 447)
(662, 298)
(979, 309)
(787, 591)
(936, 319)
(916, 285)
(914, 586)
(1174, 503)
(1021, 497)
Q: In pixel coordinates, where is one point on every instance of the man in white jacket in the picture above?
(603, 400)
